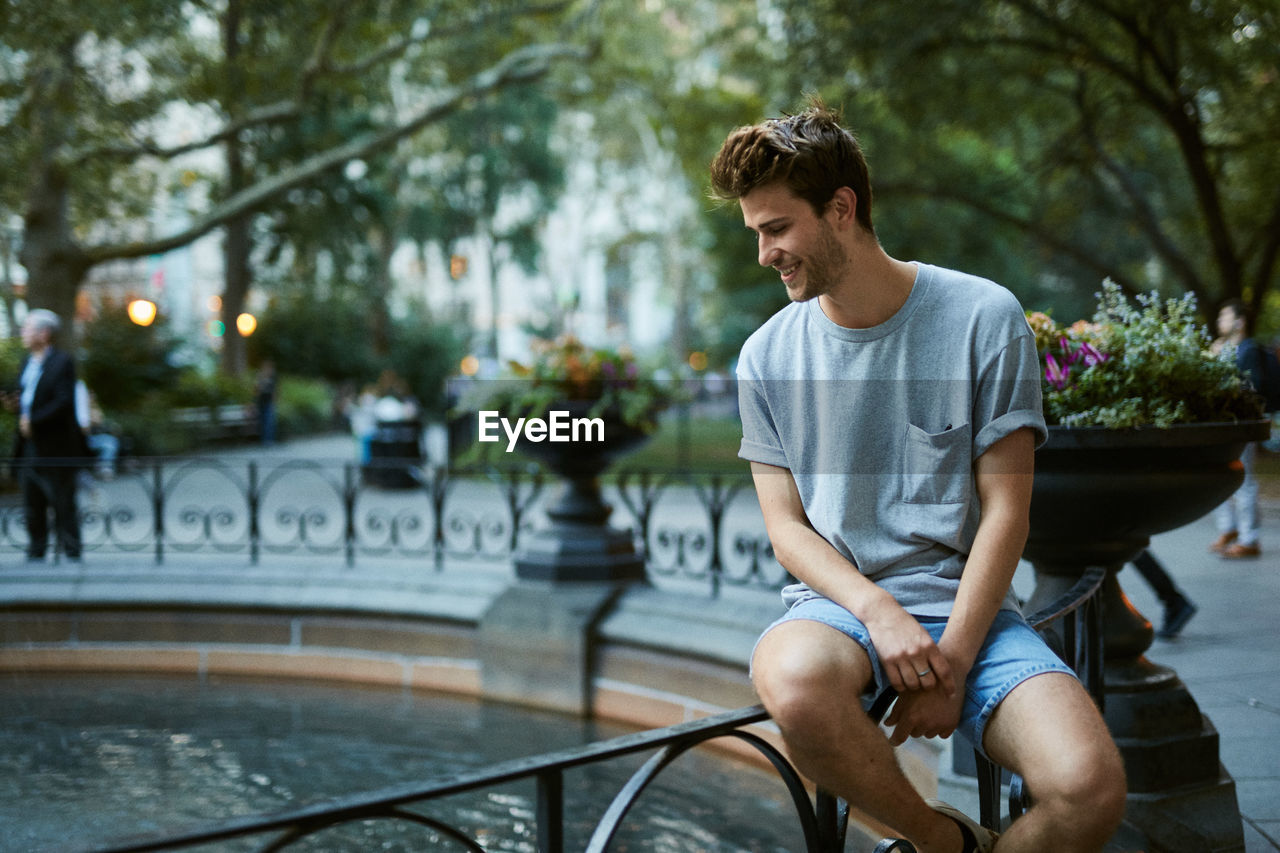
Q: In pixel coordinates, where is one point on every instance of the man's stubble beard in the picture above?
(822, 269)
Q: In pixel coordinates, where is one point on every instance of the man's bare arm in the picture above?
(1004, 475)
(905, 649)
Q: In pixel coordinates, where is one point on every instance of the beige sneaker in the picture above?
(985, 839)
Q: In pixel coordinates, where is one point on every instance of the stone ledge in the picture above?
(657, 658)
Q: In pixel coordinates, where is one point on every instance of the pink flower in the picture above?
(1091, 355)
(1054, 373)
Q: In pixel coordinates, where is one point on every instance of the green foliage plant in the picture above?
(424, 354)
(326, 336)
(11, 353)
(304, 406)
(329, 338)
(1148, 365)
(124, 363)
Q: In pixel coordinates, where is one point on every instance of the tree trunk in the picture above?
(55, 264)
(495, 295)
(239, 278)
(239, 240)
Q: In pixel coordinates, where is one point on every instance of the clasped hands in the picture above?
(929, 698)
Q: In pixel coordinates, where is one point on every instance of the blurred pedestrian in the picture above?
(363, 422)
(1178, 609)
(264, 398)
(49, 446)
(103, 444)
(1237, 518)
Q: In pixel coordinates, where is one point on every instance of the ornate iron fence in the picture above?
(692, 526)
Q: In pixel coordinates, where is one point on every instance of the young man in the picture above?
(890, 415)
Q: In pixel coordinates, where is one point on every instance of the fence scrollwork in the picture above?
(692, 527)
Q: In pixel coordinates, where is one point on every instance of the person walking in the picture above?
(1178, 609)
(264, 398)
(49, 446)
(1237, 517)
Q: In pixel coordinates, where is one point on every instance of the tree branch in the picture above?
(319, 60)
(1182, 115)
(521, 65)
(469, 25)
(1268, 256)
(269, 114)
(1086, 256)
(1174, 108)
(1144, 214)
(317, 66)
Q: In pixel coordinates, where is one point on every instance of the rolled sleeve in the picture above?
(1008, 397)
(760, 439)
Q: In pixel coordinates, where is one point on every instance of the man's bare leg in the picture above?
(1048, 731)
(810, 676)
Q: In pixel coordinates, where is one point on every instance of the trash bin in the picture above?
(395, 450)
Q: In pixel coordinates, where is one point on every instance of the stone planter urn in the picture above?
(1099, 495)
(577, 543)
(536, 637)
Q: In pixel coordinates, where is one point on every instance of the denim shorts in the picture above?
(1011, 653)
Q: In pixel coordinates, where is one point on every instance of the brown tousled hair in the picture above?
(810, 152)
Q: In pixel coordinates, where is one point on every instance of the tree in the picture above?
(673, 79)
(89, 93)
(1123, 139)
(501, 178)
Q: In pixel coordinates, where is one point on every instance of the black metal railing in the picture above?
(691, 526)
(547, 773)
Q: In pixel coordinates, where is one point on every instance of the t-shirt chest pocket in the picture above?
(935, 466)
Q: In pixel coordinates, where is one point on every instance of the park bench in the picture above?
(230, 422)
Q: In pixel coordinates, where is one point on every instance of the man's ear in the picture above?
(844, 204)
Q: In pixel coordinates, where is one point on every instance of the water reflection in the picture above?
(89, 758)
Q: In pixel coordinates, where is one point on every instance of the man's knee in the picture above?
(1085, 788)
(804, 672)
(1053, 736)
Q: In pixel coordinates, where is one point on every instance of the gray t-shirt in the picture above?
(880, 427)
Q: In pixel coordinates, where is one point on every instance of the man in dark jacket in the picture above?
(49, 442)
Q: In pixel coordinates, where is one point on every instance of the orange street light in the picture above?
(142, 311)
(245, 324)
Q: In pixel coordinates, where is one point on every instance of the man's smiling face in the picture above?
(795, 241)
